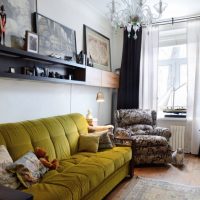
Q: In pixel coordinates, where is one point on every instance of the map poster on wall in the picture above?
(97, 46)
(54, 38)
(18, 20)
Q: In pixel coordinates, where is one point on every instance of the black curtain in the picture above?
(128, 93)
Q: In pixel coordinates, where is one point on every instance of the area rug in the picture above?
(149, 189)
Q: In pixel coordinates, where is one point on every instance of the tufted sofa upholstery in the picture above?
(151, 141)
(81, 175)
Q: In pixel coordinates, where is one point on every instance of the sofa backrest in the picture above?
(128, 117)
(57, 135)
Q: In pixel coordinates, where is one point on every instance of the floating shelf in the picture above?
(18, 59)
(39, 78)
(18, 53)
(83, 75)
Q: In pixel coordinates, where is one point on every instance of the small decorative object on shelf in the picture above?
(2, 24)
(28, 71)
(68, 58)
(11, 70)
(54, 55)
(51, 74)
(70, 76)
(57, 75)
(40, 71)
(31, 42)
(81, 58)
(90, 61)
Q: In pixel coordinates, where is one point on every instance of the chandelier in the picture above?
(132, 14)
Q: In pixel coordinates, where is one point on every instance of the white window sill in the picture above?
(171, 119)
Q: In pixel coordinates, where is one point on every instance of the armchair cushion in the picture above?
(165, 132)
(134, 116)
(122, 133)
(143, 127)
(150, 141)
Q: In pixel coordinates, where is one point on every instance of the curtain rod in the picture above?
(176, 20)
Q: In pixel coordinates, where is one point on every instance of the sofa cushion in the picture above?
(44, 191)
(58, 137)
(17, 140)
(89, 143)
(40, 137)
(116, 157)
(71, 132)
(81, 173)
(80, 122)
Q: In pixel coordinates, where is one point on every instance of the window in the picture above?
(172, 72)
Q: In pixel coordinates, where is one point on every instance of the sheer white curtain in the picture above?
(149, 68)
(193, 102)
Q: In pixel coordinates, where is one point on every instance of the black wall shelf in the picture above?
(17, 58)
(38, 78)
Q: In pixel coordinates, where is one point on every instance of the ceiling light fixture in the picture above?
(132, 14)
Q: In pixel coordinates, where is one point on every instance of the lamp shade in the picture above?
(100, 97)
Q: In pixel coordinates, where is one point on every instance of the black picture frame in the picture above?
(49, 30)
(93, 39)
(31, 42)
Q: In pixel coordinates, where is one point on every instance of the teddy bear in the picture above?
(44, 159)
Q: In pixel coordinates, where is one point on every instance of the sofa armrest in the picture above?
(92, 129)
(128, 142)
(160, 131)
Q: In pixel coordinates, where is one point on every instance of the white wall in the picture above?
(24, 100)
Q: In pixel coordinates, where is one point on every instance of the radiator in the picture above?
(178, 137)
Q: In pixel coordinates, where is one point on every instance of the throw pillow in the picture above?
(24, 175)
(31, 162)
(89, 143)
(6, 179)
(104, 140)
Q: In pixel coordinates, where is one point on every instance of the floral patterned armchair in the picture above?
(151, 141)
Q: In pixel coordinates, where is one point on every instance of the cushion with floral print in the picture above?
(7, 179)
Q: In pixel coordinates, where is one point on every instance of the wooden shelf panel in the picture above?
(94, 76)
(110, 79)
(39, 78)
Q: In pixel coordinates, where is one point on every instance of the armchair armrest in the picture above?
(132, 144)
(160, 131)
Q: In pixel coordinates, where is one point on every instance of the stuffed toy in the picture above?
(44, 159)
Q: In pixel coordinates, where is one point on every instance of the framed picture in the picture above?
(97, 47)
(18, 20)
(31, 42)
(54, 38)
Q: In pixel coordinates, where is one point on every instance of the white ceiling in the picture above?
(176, 8)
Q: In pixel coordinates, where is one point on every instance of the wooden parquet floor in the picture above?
(189, 174)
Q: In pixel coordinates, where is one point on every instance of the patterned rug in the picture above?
(149, 189)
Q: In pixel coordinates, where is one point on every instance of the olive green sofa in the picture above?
(81, 175)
